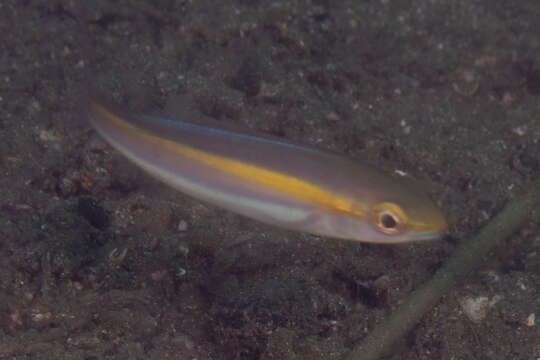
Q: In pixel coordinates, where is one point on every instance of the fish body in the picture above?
(274, 181)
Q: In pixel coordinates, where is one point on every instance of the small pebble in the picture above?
(520, 130)
(474, 308)
(466, 82)
(48, 136)
(181, 272)
(78, 286)
(67, 186)
(158, 275)
(333, 117)
(531, 320)
(117, 256)
(182, 225)
(16, 319)
(382, 282)
(183, 248)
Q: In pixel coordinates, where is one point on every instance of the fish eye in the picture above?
(387, 222)
(389, 218)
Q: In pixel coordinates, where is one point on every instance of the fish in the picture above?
(269, 179)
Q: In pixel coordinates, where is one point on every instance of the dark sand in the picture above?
(99, 261)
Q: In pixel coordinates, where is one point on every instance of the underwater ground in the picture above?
(99, 261)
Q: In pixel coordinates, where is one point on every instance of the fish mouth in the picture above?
(433, 228)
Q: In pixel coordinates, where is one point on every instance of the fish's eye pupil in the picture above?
(389, 218)
(388, 221)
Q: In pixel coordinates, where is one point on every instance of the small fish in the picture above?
(271, 180)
